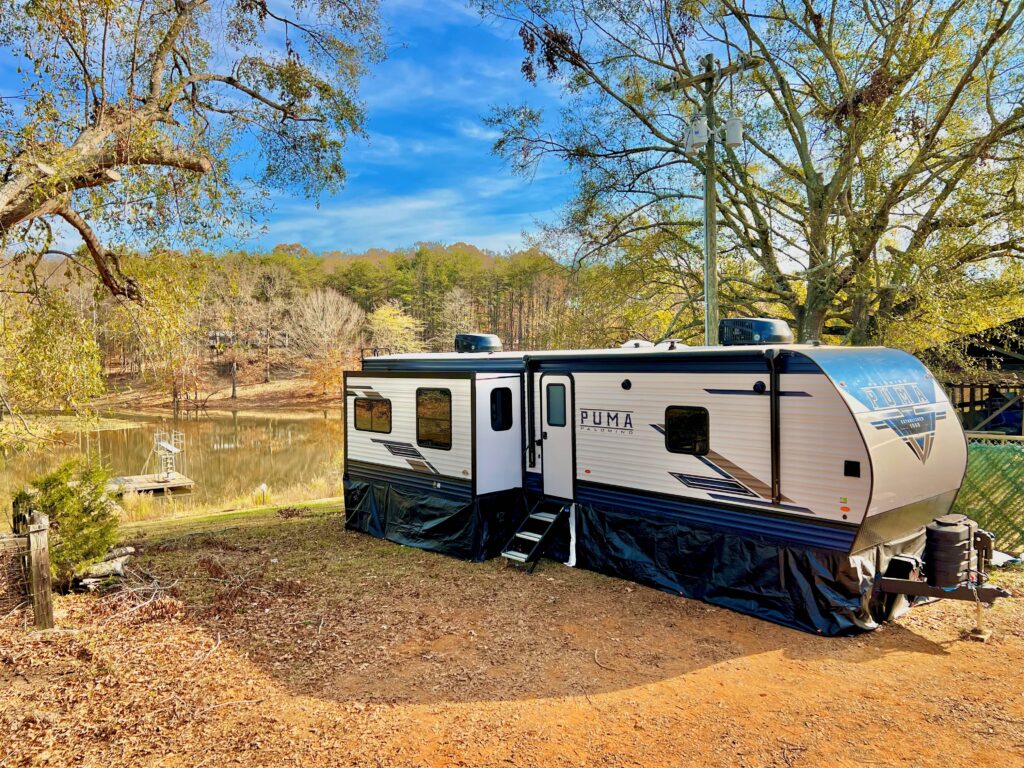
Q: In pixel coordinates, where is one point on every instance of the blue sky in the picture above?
(425, 172)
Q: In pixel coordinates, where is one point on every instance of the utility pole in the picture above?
(712, 78)
(707, 83)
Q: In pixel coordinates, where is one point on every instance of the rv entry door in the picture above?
(558, 451)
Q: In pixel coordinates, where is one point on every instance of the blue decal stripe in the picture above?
(677, 362)
(694, 361)
(445, 365)
(438, 485)
(782, 528)
(715, 467)
(914, 426)
(712, 484)
(766, 393)
(788, 507)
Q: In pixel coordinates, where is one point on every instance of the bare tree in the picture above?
(273, 290)
(325, 319)
(457, 316)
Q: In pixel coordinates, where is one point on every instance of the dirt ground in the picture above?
(298, 643)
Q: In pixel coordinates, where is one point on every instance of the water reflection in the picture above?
(228, 454)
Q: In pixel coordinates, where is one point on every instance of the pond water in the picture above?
(229, 455)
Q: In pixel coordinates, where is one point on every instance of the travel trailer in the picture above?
(780, 480)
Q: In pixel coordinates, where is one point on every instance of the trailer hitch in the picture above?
(985, 593)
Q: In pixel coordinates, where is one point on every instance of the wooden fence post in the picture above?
(39, 569)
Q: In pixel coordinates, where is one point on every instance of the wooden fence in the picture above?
(993, 490)
(25, 569)
(14, 591)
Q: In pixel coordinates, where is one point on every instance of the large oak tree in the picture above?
(149, 123)
(882, 165)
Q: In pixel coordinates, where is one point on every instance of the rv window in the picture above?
(434, 418)
(686, 430)
(373, 415)
(501, 409)
(556, 405)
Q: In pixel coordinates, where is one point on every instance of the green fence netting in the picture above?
(993, 490)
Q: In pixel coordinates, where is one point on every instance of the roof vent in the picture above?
(477, 342)
(636, 344)
(670, 344)
(753, 330)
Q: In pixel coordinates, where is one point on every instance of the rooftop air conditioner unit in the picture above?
(477, 342)
(753, 330)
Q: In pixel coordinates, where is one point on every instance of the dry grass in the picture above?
(142, 507)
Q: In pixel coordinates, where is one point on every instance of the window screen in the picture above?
(501, 409)
(434, 418)
(373, 414)
(556, 405)
(686, 429)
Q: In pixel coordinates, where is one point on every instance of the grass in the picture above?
(141, 507)
(217, 521)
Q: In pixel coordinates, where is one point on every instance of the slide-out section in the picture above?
(412, 422)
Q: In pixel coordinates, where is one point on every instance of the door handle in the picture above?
(543, 436)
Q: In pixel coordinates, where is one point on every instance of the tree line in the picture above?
(214, 320)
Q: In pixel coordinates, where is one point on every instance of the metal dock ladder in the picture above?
(527, 545)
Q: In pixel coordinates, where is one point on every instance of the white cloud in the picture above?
(464, 79)
(401, 15)
(498, 185)
(445, 214)
(385, 149)
(473, 130)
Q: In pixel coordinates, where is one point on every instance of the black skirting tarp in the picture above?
(821, 591)
(471, 529)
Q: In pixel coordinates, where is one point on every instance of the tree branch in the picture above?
(106, 264)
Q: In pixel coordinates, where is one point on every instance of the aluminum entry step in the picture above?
(527, 544)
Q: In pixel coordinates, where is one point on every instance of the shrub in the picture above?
(83, 517)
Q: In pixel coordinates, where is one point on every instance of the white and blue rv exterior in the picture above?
(777, 480)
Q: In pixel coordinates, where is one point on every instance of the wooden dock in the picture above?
(169, 482)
